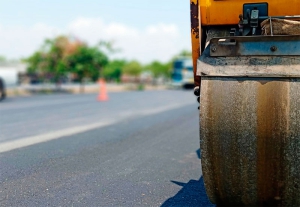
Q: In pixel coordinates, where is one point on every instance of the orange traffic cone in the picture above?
(102, 91)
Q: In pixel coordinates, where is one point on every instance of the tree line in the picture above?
(63, 55)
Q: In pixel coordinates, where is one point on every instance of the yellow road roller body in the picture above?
(225, 12)
(247, 73)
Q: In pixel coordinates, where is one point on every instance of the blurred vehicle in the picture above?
(9, 75)
(8, 78)
(182, 73)
(2, 89)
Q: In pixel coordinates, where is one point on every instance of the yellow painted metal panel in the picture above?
(195, 36)
(225, 12)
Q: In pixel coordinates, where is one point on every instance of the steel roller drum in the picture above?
(250, 140)
(250, 126)
(250, 123)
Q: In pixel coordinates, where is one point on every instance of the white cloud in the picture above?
(162, 28)
(158, 42)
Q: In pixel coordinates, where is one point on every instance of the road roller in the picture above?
(246, 60)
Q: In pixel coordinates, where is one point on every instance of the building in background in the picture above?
(11, 72)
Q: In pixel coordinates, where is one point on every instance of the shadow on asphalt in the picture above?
(198, 153)
(191, 194)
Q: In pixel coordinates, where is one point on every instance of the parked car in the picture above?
(2, 89)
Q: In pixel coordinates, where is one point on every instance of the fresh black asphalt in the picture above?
(140, 160)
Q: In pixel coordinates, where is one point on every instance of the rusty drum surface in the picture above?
(250, 140)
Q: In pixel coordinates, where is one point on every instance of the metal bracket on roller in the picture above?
(255, 46)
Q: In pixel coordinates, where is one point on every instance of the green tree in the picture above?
(54, 52)
(2, 59)
(113, 70)
(63, 55)
(133, 68)
(35, 60)
(86, 62)
(159, 69)
(50, 58)
(185, 53)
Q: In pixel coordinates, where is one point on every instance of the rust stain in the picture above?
(244, 132)
(212, 145)
(228, 140)
(195, 36)
(272, 132)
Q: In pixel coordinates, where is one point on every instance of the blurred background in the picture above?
(95, 112)
(49, 46)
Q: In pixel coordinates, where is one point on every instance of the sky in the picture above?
(144, 30)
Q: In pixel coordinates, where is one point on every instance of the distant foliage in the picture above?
(133, 68)
(159, 69)
(63, 55)
(185, 53)
(86, 62)
(2, 59)
(114, 70)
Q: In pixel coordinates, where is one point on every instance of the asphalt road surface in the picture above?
(137, 149)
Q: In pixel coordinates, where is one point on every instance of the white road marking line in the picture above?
(33, 140)
(28, 141)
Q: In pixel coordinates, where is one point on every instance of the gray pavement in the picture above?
(137, 149)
